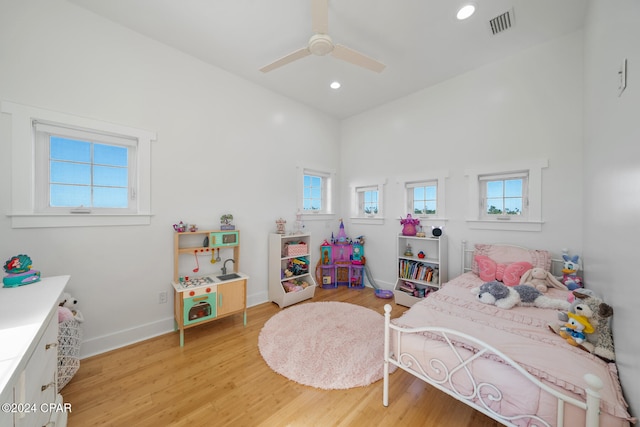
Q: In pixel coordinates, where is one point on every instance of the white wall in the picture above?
(224, 146)
(526, 106)
(612, 175)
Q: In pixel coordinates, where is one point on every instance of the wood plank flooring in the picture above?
(219, 379)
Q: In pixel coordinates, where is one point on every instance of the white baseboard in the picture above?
(104, 343)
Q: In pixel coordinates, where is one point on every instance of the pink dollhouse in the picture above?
(342, 261)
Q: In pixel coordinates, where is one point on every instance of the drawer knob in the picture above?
(46, 386)
(48, 346)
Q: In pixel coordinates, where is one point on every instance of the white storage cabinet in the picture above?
(279, 258)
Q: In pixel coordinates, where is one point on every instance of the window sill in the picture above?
(505, 225)
(76, 220)
(373, 220)
(317, 216)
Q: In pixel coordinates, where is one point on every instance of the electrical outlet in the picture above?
(162, 297)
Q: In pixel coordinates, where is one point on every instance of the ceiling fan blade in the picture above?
(357, 58)
(298, 54)
(320, 16)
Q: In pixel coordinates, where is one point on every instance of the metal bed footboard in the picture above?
(482, 393)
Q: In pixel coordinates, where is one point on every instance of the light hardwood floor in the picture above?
(219, 379)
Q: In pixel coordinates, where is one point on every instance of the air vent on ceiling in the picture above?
(501, 22)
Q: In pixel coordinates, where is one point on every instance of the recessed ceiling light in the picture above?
(335, 85)
(466, 11)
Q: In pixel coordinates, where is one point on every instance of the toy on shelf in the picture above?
(409, 225)
(280, 226)
(225, 222)
(341, 261)
(19, 272)
(180, 227)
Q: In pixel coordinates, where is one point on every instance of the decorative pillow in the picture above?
(506, 254)
(509, 274)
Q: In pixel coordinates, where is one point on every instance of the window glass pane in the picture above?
(312, 193)
(494, 206)
(370, 202)
(494, 189)
(504, 197)
(425, 199)
(513, 188)
(69, 149)
(70, 173)
(69, 196)
(110, 197)
(113, 177)
(110, 155)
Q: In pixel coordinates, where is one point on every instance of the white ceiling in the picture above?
(420, 41)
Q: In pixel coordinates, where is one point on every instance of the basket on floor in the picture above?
(69, 339)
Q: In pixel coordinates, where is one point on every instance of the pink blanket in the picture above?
(522, 334)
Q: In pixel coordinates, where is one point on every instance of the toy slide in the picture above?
(380, 293)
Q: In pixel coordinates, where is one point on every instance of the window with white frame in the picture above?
(368, 201)
(84, 171)
(316, 192)
(422, 197)
(504, 196)
(65, 165)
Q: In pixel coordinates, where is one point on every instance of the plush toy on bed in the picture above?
(576, 329)
(570, 276)
(502, 296)
(587, 304)
(541, 279)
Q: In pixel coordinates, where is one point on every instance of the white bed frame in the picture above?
(443, 376)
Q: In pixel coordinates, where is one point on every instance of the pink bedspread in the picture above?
(522, 334)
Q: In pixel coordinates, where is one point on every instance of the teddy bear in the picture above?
(503, 296)
(576, 329)
(68, 303)
(587, 304)
(541, 279)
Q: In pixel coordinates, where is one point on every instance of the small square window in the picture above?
(316, 192)
(79, 170)
(504, 196)
(422, 198)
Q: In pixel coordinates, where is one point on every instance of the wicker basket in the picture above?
(69, 340)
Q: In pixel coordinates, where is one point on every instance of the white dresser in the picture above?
(29, 355)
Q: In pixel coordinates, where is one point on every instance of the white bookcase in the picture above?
(280, 256)
(423, 274)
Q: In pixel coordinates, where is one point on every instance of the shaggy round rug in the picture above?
(327, 345)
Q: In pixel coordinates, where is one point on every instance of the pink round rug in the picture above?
(327, 345)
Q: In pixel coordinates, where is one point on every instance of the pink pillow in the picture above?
(509, 274)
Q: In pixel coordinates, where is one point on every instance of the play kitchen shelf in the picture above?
(203, 294)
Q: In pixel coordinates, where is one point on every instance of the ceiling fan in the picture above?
(321, 44)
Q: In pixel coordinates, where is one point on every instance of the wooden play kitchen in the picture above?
(200, 298)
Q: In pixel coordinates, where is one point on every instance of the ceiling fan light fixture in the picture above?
(320, 44)
(335, 85)
(466, 11)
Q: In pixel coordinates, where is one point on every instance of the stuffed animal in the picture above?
(66, 301)
(541, 279)
(575, 330)
(600, 342)
(570, 276)
(502, 296)
(64, 314)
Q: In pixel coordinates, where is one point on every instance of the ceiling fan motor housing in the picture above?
(320, 44)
